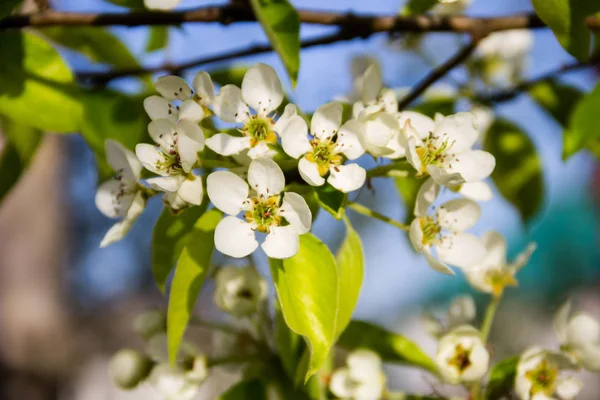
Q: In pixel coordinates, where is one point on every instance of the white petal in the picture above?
(191, 190)
(347, 178)
(560, 323)
(473, 166)
(568, 388)
(341, 384)
(310, 172)
(109, 200)
(426, 196)
(416, 234)
(265, 177)
(365, 365)
(458, 215)
(261, 150)
(174, 201)
(161, 131)
(371, 84)
(166, 183)
(380, 129)
(357, 109)
(495, 245)
(388, 100)
(288, 112)
(235, 238)
(462, 249)
(523, 257)
(190, 110)
(583, 330)
(480, 359)
(589, 357)
(281, 242)
(227, 191)
(478, 191)
(190, 141)
(262, 89)
(294, 138)
(157, 107)
(326, 120)
(296, 212)
(227, 145)
(149, 156)
(120, 229)
(204, 88)
(173, 87)
(412, 156)
(421, 125)
(436, 264)
(458, 129)
(348, 139)
(123, 160)
(229, 105)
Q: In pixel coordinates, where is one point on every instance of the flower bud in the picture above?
(199, 370)
(128, 368)
(240, 291)
(149, 323)
(462, 356)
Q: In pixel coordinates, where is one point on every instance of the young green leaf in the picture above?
(391, 347)
(416, 7)
(281, 23)
(289, 344)
(36, 86)
(350, 262)
(171, 234)
(246, 390)
(518, 172)
(190, 273)
(556, 98)
(307, 288)
(502, 378)
(332, 200)
(582, 131)
(158, 38)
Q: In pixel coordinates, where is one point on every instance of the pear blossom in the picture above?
(443, 149)
(128, 368)
(121, 196)
(328, 147)
(462, 311)
(193, 103)
(361, 379)
(448, 8)
(494, 273)
(484, 119)
(461, 356)
(240, 291)
(267, 209)
(173, 159)
(579, 337)
(444, 231)
(261, 91)
(373, 94)
(539, 377)
(173, 383)
(161, 4)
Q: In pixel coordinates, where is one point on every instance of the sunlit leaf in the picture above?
(158, 39)
(582, 131)
(416, 7)
(190, 273)
(289, 344)
(332, 200)
(442, 105)
(502, 378)
(556, 98)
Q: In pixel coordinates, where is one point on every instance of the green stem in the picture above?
(359, 208)
(398, 168)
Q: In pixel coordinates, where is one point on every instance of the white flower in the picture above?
(443, 231)
(448, 8)
(538, 377)
(373, 94)
(193, 104)
(362, 379)
(484, 119)
(443, 149)
(121, 196)
(173, 383)
(462, 356)
(494, 273)
(173, 159)
(240, 291)
(462, 311)
(579, 336)
(262, 91)
(265, 209)
(324, 153)
(161, 4)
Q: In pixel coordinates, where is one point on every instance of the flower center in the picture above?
(543, 378)
(324, 155)
(431, 230)
(461, 360)
(499, 279)
(264, 213)
(432, 152)
(170, 163)
(260, 129)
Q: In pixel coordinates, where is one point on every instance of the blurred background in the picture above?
(66, 305)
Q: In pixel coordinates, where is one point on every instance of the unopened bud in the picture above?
(150, 323)
(128, 368)
(199, 370)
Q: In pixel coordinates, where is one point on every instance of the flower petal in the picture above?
(227, 191)
(204, 88)
(161, 131)
(235, 238)
(110, 201)
(310, 172)
(478, 191)
(161, 4)
(560, 322)
(227, 145)
(262, 89)
(261, 150)
(294, 138)
(443, 176)
(288, 112)
(347, 178)
(123, 160)
(473, 166)
(166, 183)
(371, 84)
(458, 215)
(191, 190)
(418, 124)
(568, 388)
(436, 264)
(190, 141)
(523, 257)
(229, 106)
(462, 249)
(120, 229)
(326, 120)
(348, 139)
(583, 330)
(380, 129)
(173, 87)
(415, 234)
(388, 100)
(281, 242)
(495, 245)
(150, 156)
(458, 129)
(157, 107)
(296, 212)
(265, 177)
(341, 385)
(426, 196)
(412, 156)
(190, 110)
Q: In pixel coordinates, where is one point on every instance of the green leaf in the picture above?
(307, 288)
(158, 39)
(518, 172)
(246, 390)
(112, 115)
(582, 131)
(350, 262)
(408, 187)
(36, 86)
(7, 6)
(556, 98)
(502, 378)
(231, 75)
(21, 144)
(281, 24)
(566, 18)
(416, 7)
(443, 105)
(98, 44)
(289, 344)
(190, 273)
(391, 347)
(171, 234)
(332, 200)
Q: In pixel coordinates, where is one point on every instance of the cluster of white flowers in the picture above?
(361, 379)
